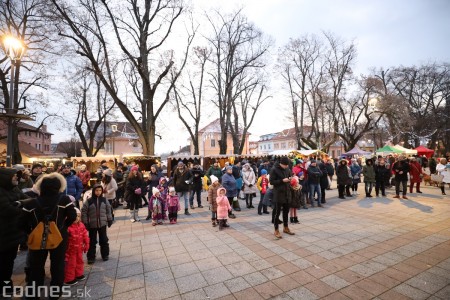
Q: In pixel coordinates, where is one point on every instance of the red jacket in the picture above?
(414, 171)
(84, 177)
(78, 239)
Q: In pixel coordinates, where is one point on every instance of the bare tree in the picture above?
(93, 105)
(238, 48)
(26, 21)
(189, 98)
(138, 31)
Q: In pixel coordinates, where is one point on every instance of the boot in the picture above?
(213, 222)
(296, 221)
(291, 219)
(277, 234)
(443, 190)
(246, 202)
(149, 216)
(136, 215)
(236, 206)
(186, 212)
(220, 224)
(286, 230)
(251, 203)
(279, 221)
(225, 224)
(133, 216)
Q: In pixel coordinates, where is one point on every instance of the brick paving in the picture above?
(358, 248)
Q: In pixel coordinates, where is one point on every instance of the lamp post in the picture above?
(373, 105)
(114, 130)
(14, 49)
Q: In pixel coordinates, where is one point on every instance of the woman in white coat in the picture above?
(443, 169)
(249, 184)
(109, 185)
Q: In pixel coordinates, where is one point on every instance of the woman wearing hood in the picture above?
(249, 178)
(356, 171)
(10, 234)
(369, 177)
(343, 177)
(51, 202)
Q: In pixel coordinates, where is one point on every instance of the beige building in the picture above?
(120, 138)
(209, 137)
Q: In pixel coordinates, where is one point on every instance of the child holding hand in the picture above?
(173, 203)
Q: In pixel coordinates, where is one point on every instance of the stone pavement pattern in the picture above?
(358, 248)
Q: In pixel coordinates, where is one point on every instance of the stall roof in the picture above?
(388, 149)
(405, 150)
(95, 158)
(357, 151)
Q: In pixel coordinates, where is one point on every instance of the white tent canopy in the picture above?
(405, 150)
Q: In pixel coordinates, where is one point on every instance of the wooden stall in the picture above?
(144, 161)
(173, 160)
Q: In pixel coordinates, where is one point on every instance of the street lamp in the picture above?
(373, 105)
(14, 49)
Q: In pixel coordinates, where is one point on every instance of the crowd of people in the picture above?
(82, 211)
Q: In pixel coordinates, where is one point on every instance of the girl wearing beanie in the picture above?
(156, 206)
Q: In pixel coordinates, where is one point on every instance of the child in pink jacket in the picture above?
(223, 208)
(173, 205)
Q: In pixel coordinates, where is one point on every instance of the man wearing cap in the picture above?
(74, 185)
(280, 177)
(181, 180)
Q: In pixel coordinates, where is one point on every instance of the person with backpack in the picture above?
(51, 209)
(96, 215)
(10, 236)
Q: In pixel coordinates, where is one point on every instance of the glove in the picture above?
(250, 185)
(109, 223)
(137, 191)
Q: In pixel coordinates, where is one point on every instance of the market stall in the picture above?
(406, 151)
(422, 150)
(144, 161)
(386, 150)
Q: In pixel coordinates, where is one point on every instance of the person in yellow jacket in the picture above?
(262, 184)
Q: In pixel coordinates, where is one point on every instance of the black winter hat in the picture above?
(50, 186)
(284, 160)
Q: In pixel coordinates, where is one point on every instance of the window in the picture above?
(264, 147)
(276, 146)
(268, 146)
(339, 153)
(36, 146)
(213, 143)
(283, 145)
(291, 145)
(333, 153)
(36, 134)
(260, 147)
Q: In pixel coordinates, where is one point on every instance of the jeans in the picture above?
(368, 187)
(284, 209)
(260, 205)
(397, 186)
(341, 190)
(197, 192)
(103, 241)
(185, 195)
(312, 189)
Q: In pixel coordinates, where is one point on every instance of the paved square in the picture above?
(358, 248)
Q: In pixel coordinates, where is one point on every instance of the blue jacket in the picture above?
(74, 186)
(229, 183)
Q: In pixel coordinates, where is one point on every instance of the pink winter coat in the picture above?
(223, 206)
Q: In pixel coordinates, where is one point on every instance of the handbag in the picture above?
(437, 177)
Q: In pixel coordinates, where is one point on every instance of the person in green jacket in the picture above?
(369, 177)
(214, 170)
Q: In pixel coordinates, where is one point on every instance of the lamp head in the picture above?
(14, 47)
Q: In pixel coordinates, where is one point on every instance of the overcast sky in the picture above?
(387, 33)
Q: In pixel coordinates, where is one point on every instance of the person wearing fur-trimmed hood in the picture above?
(50, 202)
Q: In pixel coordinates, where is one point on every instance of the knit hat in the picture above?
(108, 172)
(313, 161)
(155, 191)
(171, 189)
(180, 164)
(134, 168)
(284, 160)
(214, 179)
(263, 172)
(102, 162)
(228, 168)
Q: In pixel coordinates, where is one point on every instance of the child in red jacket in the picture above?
(77, 243)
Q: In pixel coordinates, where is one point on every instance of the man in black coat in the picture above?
(401, 169)
(280, 177)
(182, 179)
(10, 235)
(197, 186)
